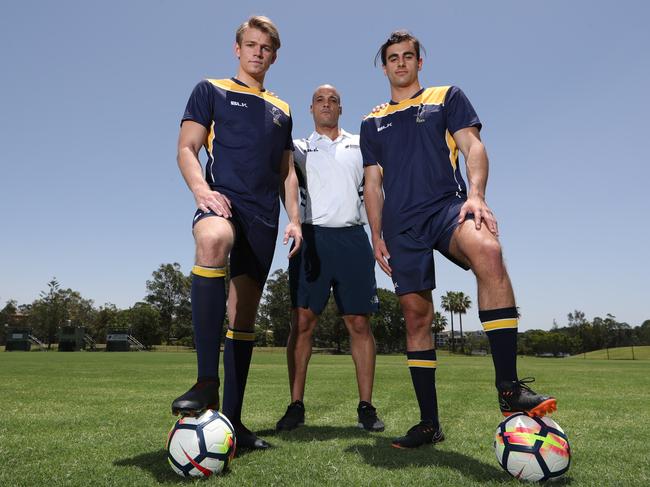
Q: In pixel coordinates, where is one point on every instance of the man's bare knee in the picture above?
(214, 237)
(304, 324)
(487, 263)
(358, 325)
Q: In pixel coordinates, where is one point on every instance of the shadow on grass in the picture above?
(383, 455)
(315, 433)
(154, 462)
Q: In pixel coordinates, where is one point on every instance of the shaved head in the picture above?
(326, 88)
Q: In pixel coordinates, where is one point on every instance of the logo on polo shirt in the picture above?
(384, 127)
(352, 146)
(315, 149)
(238, 104)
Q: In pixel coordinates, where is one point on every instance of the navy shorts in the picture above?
(334, 258)
(255, 236)
(411, 252)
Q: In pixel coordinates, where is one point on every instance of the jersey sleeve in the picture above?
(369, 150)
(460, 112)
(199, 107)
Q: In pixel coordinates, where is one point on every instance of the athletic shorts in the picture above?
(411, 252)
(334, 258)
(255, 236)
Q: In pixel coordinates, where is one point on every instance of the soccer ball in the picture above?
(200, 447)
(532, 448)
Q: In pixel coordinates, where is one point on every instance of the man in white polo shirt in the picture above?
(335, 255)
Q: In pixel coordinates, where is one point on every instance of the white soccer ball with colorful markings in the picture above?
(202, 446)
(532, 448)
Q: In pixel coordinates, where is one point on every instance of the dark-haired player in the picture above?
(246, 132)
(410, 146)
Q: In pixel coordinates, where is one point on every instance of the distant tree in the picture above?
(105, 318)
(144, 324)
(274, 314)
(331, 331)
(439, 324)
(447, 303)
(643, 333)
(7, 317)
(48, 313)
(461, 303)
(169, 292)
(388, 323)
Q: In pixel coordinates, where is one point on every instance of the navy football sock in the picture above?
(208, 311)
(500, 325)
(422, 366)
(237, 353)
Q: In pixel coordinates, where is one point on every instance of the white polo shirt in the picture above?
(330, 175)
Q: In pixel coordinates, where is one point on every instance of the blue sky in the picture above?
(92, 94)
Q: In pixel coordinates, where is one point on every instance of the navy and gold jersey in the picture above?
(248, 131)
(412, 142)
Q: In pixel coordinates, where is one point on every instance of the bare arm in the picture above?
(373, 196)
(289, 195)
(190, 140)
(476, 160)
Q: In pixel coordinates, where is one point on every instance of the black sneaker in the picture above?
(246, 439)
(203, 395)
(294, 417)
(368, 419)
(420, 434)
(517, 397)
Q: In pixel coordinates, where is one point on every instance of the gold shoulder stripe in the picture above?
(230, 85)
(275, 101)
(245, 336)
(435, 95)
(209, 271)
(500, 324)
(430, 96)
(427, 364)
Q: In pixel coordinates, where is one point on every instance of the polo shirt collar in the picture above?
(315, 136)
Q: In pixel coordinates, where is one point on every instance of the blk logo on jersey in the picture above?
(384, 127)
(238, 104)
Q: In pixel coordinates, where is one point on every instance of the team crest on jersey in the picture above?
(276, 113)
(419, 116)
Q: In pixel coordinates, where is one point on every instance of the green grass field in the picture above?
(102, 418)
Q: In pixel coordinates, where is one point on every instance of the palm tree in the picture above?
(462, 303)
(438, 325)
(447, 303)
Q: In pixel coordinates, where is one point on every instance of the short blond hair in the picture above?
(262, 23)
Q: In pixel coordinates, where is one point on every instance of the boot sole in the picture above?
(194, 412)
(542, 409)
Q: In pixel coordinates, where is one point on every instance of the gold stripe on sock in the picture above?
(500, 324)
(209, 271)
(427, 364)
(247, 336)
